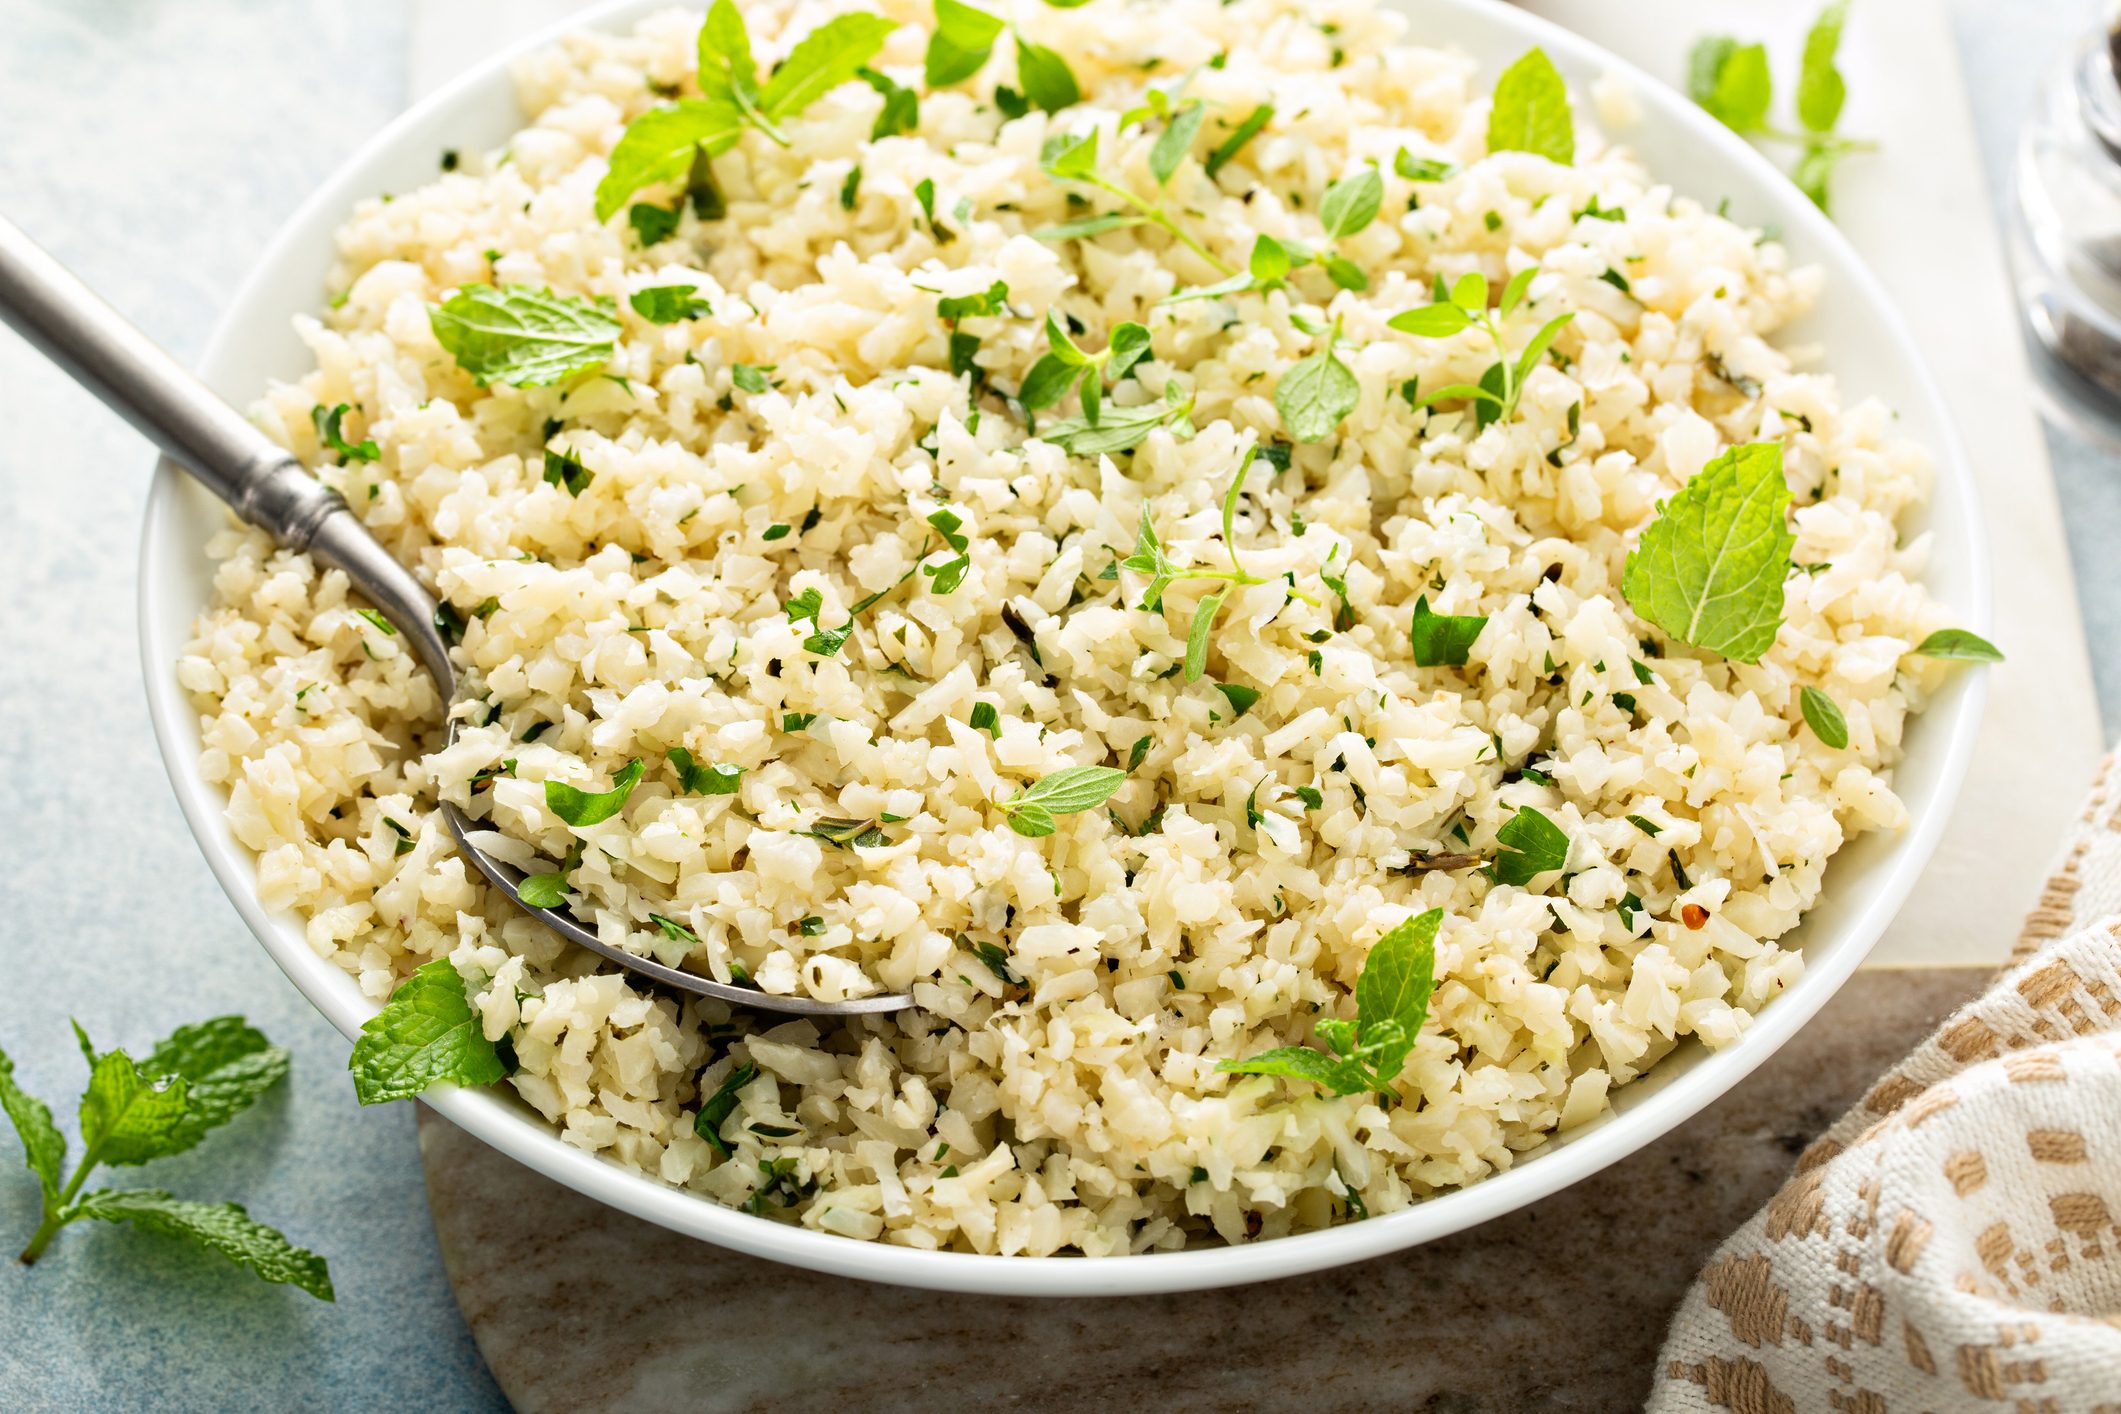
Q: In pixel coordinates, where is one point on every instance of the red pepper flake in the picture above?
(1694, 916)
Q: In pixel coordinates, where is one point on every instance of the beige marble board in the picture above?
(1558, 1307)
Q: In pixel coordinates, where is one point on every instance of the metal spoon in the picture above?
(63, 319)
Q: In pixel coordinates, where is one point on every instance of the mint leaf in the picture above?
(696, 779)
(43, 1146)
(1709, 569)
(716, 1108)
(1960, 645)
(522, 336)
(901, 112)
(724, 47)
(1175, 142)
(1731, 80)
(227, 1064)
(963, 39)
(1352, 203)
(1397, 979)
(543, 890)
(1443, 640)
(652, 225)
(582, 808)
(1198, 635)
(992, 300)
(223, 1227)
(825, 58)
(426, 1035)
(1823, 715)
(1820, 89)
(1046, 78)
(1315, 394)
(1423, 169)
(1532, 845)
(1432, 321)
(566, 471)
(333, 438)
(1117, 429)
(127, 1117)
(1073, 789)
(1530, 112)
(669, 304)
(1342, 1077)
(1226, 151)
(659, 147)
(1240, 697)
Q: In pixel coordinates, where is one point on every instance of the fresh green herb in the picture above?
(1064, 364)
(197, 1079)
(1238, 696)
(797, 721)
(427, 1034)
(522, 336)
(669, 304)
(1960, 645)
(1046, 78)
(1734, 83)
(696, 779)
(716, 1108)
(1175, 143)
(1391, 1003)
(1226, 152)
(1423, 169)
(1646, 825)
(1531, 845)
(842, 833)
(1823, 716)
(1317, 392)
(810, 926)
(1349, 206)
(751, 377)
(1150, 559)
(564, 470)
(1137, 754)
(779, 530)
(330, 435)
(986, 719)
(675, 931)
(963, 38)
(1121, 429)
(1312, 797)
(991, 954)
(1067, 791)
(901, 112)
(652, 225)
(1267, 269)
(660, 147)
(1627, 908)
(946, 576)
(383, 625)
(830, 55)
(581, 808)
(1068, 158)
(1465, 306)
(1530, 112)
(1443, 640)
(851, 188)
(1709, 569)
(990, 301)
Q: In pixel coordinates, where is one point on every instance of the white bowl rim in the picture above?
(509, 1126)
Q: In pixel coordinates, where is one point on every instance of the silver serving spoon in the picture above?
(63, 319)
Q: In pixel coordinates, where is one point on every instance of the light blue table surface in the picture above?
(155, 146)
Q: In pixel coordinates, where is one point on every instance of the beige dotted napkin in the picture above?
(1952, 1242)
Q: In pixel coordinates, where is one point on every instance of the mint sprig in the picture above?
(426, 1035)
(1709, 570)
(1391, 1003)
(134, 1112)
(963, 40)
(1068, 791)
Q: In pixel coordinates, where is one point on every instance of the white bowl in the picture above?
(1865, 885)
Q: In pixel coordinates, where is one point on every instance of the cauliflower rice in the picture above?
(1081, 1110)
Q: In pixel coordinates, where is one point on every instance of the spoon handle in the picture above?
(265, 485)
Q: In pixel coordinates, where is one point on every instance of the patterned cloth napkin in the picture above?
(1952, 1242)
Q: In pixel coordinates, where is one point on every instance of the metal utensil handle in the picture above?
(67, 322)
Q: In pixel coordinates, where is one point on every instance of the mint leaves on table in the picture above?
(1068, 791)
(523, 336)
(663, 144)
(1733, 82)
(1391, 1003)
(1531, 845)
(1443, 640)
(1960, 645)
(426, 1035)
(1823, 715)
(1464, 306)
(134, 1112)
(333, 439)
(1530, 111)
(1709, 570)
(583, 808)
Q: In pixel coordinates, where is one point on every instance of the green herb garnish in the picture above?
(522, 336)
(901, 112)
(1530, 112)
(1709, 570)
(566, 471)
(716, 1108)
(427, 1034)
(581, 808)
(696, 779)
(1067, 791)
(1733, 82)
(669, 304)
(333, 439)
(1823, 716)
(1959, 645)
(1226, 152)
(1317, 392)
(1465, 306)
(1068, 158)
(1391, 1003)
(1443, 640)
(1531, 845)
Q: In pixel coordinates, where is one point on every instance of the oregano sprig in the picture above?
(1463, 306)
(1068, 791)
(1074, 158)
